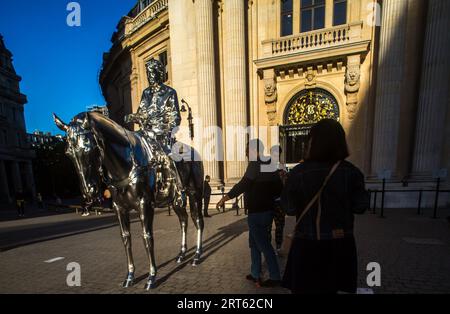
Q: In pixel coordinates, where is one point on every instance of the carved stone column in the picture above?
(16, 177)
(389, 81)
(352, 84)
(29, 185)
(434, 90)
(206, 87)
(235, 83)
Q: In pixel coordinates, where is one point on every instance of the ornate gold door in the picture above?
(303, 111)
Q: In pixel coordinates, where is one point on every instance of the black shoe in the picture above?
(251, 278)
(207, 216)
(269, 283)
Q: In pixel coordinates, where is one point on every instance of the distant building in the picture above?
(54, 173)
(40, 139)
(16, 172)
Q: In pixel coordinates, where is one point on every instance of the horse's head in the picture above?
(83, 150)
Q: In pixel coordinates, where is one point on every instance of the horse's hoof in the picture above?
(180, 258)
(196, 260)
(129, 282)
(151, 283)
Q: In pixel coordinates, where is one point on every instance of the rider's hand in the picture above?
(158, 130)
(129, 118)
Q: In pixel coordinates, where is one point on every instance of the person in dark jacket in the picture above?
(206, 196)
(323, 257)
(261, 186)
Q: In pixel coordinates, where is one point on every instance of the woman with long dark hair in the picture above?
(324, 192)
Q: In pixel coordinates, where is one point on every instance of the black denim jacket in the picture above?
(343, 196)
(261, 187)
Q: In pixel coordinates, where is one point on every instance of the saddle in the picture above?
(165, 179)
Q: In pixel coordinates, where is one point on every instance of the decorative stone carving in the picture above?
(310, 78)
(352, 85)
(270, 96)
(270, 91)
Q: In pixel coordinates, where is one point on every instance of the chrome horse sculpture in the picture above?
(102, 150)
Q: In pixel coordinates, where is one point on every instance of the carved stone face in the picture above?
(352, 76)
(269, 89)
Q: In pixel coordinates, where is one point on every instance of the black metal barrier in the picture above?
(383, 191)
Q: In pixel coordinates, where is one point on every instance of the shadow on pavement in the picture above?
(225, 235)
(20, 235)
(17, 236)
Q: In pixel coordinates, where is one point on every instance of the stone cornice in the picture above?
(320, 54)
(13, 96)
(10, 74)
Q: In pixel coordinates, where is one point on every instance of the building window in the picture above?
(312, 15)
(339, 12)
(144, 3)
(164, 60)
(286, 17)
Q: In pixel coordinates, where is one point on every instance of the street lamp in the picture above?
(190, 118)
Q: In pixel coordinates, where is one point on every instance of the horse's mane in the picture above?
(110, 130)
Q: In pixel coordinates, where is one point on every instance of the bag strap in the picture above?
(318, 194)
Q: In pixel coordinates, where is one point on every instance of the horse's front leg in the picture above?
(197, 217)
(183, 218)
(146, 213)
(124, 222)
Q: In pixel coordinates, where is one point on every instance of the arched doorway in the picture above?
(304, 110)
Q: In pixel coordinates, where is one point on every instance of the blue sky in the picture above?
(58, 64)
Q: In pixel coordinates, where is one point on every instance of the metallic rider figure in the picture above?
(158, 115)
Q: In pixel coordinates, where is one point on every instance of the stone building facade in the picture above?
(380, 68)
(16, 172)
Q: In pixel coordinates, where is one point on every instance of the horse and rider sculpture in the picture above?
(139, 168)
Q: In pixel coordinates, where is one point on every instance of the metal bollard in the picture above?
(236, 207)
(382, 198)
(420, 203)
(436, 198)
(374, 210)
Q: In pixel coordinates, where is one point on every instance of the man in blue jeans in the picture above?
(261, 185)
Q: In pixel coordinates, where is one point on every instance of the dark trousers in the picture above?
(280, 220)
(206, 200)
(259, 240)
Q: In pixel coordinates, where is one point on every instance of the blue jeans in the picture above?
(259, 225)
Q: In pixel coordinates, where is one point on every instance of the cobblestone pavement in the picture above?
(413, 252)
